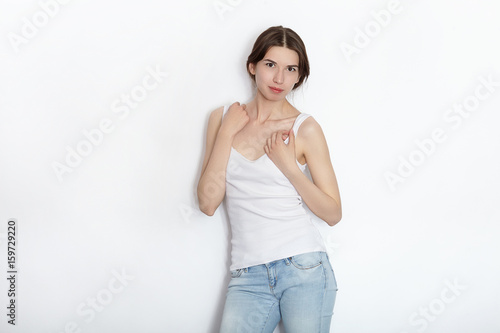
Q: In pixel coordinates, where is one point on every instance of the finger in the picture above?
(269, 143)
(244, 106)
(284, 135)
(274, 137)
(291, 135)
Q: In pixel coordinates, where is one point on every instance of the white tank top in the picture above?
(267, 216)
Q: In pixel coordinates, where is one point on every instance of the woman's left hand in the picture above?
(283, 155)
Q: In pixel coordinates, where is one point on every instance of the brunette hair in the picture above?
(280, 36)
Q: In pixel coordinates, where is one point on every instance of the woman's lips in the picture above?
(276, 90)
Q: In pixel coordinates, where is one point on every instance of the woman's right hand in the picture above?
(235, 119)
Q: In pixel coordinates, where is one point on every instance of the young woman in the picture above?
(256, 158)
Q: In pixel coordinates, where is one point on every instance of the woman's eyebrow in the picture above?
(274, 62)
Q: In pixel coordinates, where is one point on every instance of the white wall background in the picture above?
(419, 256)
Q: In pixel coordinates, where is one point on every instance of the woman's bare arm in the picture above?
(322, 195)
(212, 184)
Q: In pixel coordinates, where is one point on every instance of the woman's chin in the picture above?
(273, 97)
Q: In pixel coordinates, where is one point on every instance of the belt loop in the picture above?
(287, 261)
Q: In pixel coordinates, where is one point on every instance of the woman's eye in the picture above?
(292, 69)
(269, 64)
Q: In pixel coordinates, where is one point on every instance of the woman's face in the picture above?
(276, 73)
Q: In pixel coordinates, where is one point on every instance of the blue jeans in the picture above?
(300, 290)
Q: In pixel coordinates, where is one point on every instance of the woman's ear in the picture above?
(251, 68)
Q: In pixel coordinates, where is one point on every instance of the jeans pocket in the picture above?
(236, 273)
(329, 268)
(307, 260)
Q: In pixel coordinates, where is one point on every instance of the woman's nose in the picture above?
(278, 77)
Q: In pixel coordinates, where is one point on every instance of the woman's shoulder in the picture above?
(221, 111)
(309, 126)
(215, 118)
(218, 112)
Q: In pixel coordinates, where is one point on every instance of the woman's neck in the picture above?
(263, 109)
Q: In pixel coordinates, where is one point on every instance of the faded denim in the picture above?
(300, 290)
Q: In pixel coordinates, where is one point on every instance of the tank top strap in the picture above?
(300, 119)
